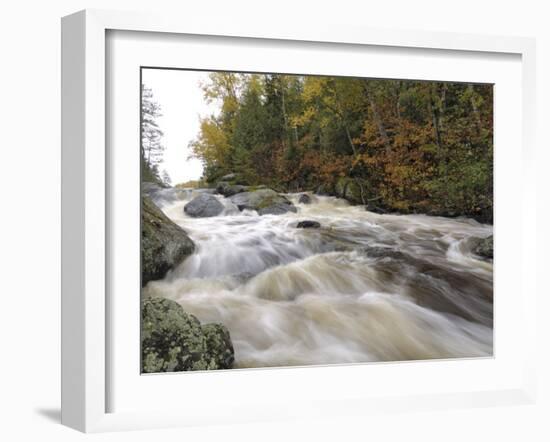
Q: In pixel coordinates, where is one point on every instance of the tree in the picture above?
(166, 178)
(151, 136)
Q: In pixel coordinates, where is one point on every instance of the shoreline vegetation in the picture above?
(397, 146)
(391, 146)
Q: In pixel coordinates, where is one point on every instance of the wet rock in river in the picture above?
(304, 199)
(173, 340)
(385, 252)
(308, 225)
(203, 206)
(264, 201)
(164, 244)
(227, 190)
(277, 209)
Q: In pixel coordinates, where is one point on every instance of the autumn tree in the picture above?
(403, 145)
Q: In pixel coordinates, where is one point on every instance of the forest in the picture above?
(400, 146)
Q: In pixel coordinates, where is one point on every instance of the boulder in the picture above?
(325, 190)
(164, 244)
(308, 225)
(173, 340)
(203, 206)
(384, 252)
(227, 190)
(234, 189)
(375, 209)
(264, 201)
(304, 199)
(277, 209)
(221, 187)
(484, 247)
(149, 188)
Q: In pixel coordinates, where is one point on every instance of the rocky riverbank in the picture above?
(354, 190)
(171, 339)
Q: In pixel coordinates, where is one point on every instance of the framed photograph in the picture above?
(279, 223)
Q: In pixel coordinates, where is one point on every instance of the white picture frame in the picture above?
(87, 206)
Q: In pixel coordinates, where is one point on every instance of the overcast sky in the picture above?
(182, 103)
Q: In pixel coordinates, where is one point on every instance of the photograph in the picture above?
(292, 220)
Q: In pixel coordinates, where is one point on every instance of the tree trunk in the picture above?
(287, 136)
(350, 141)
(436, 111)
(377, 119)
(475, 109)
(398, 104)
(436, 123)
(361, 191)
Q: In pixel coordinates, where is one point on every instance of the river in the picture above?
(364, 287)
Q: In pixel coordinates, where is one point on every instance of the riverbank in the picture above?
(357, 192)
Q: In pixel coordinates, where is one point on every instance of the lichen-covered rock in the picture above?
(264, 201)
(203, 206)
(164, 244)
(304, 199)
(173, 340)
(484, 247)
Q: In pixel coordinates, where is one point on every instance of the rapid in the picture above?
(363, 287)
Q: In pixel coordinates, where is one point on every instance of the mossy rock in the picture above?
(326, 190)
(484, 247)
(164, 244)
(173, 340)
(264, 201)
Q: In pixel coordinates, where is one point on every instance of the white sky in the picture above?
(182, 102)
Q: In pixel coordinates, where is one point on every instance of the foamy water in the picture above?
(364, 287)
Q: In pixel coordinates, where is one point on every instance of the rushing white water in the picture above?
(364, 287)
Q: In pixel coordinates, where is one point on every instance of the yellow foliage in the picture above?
(212, 144)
